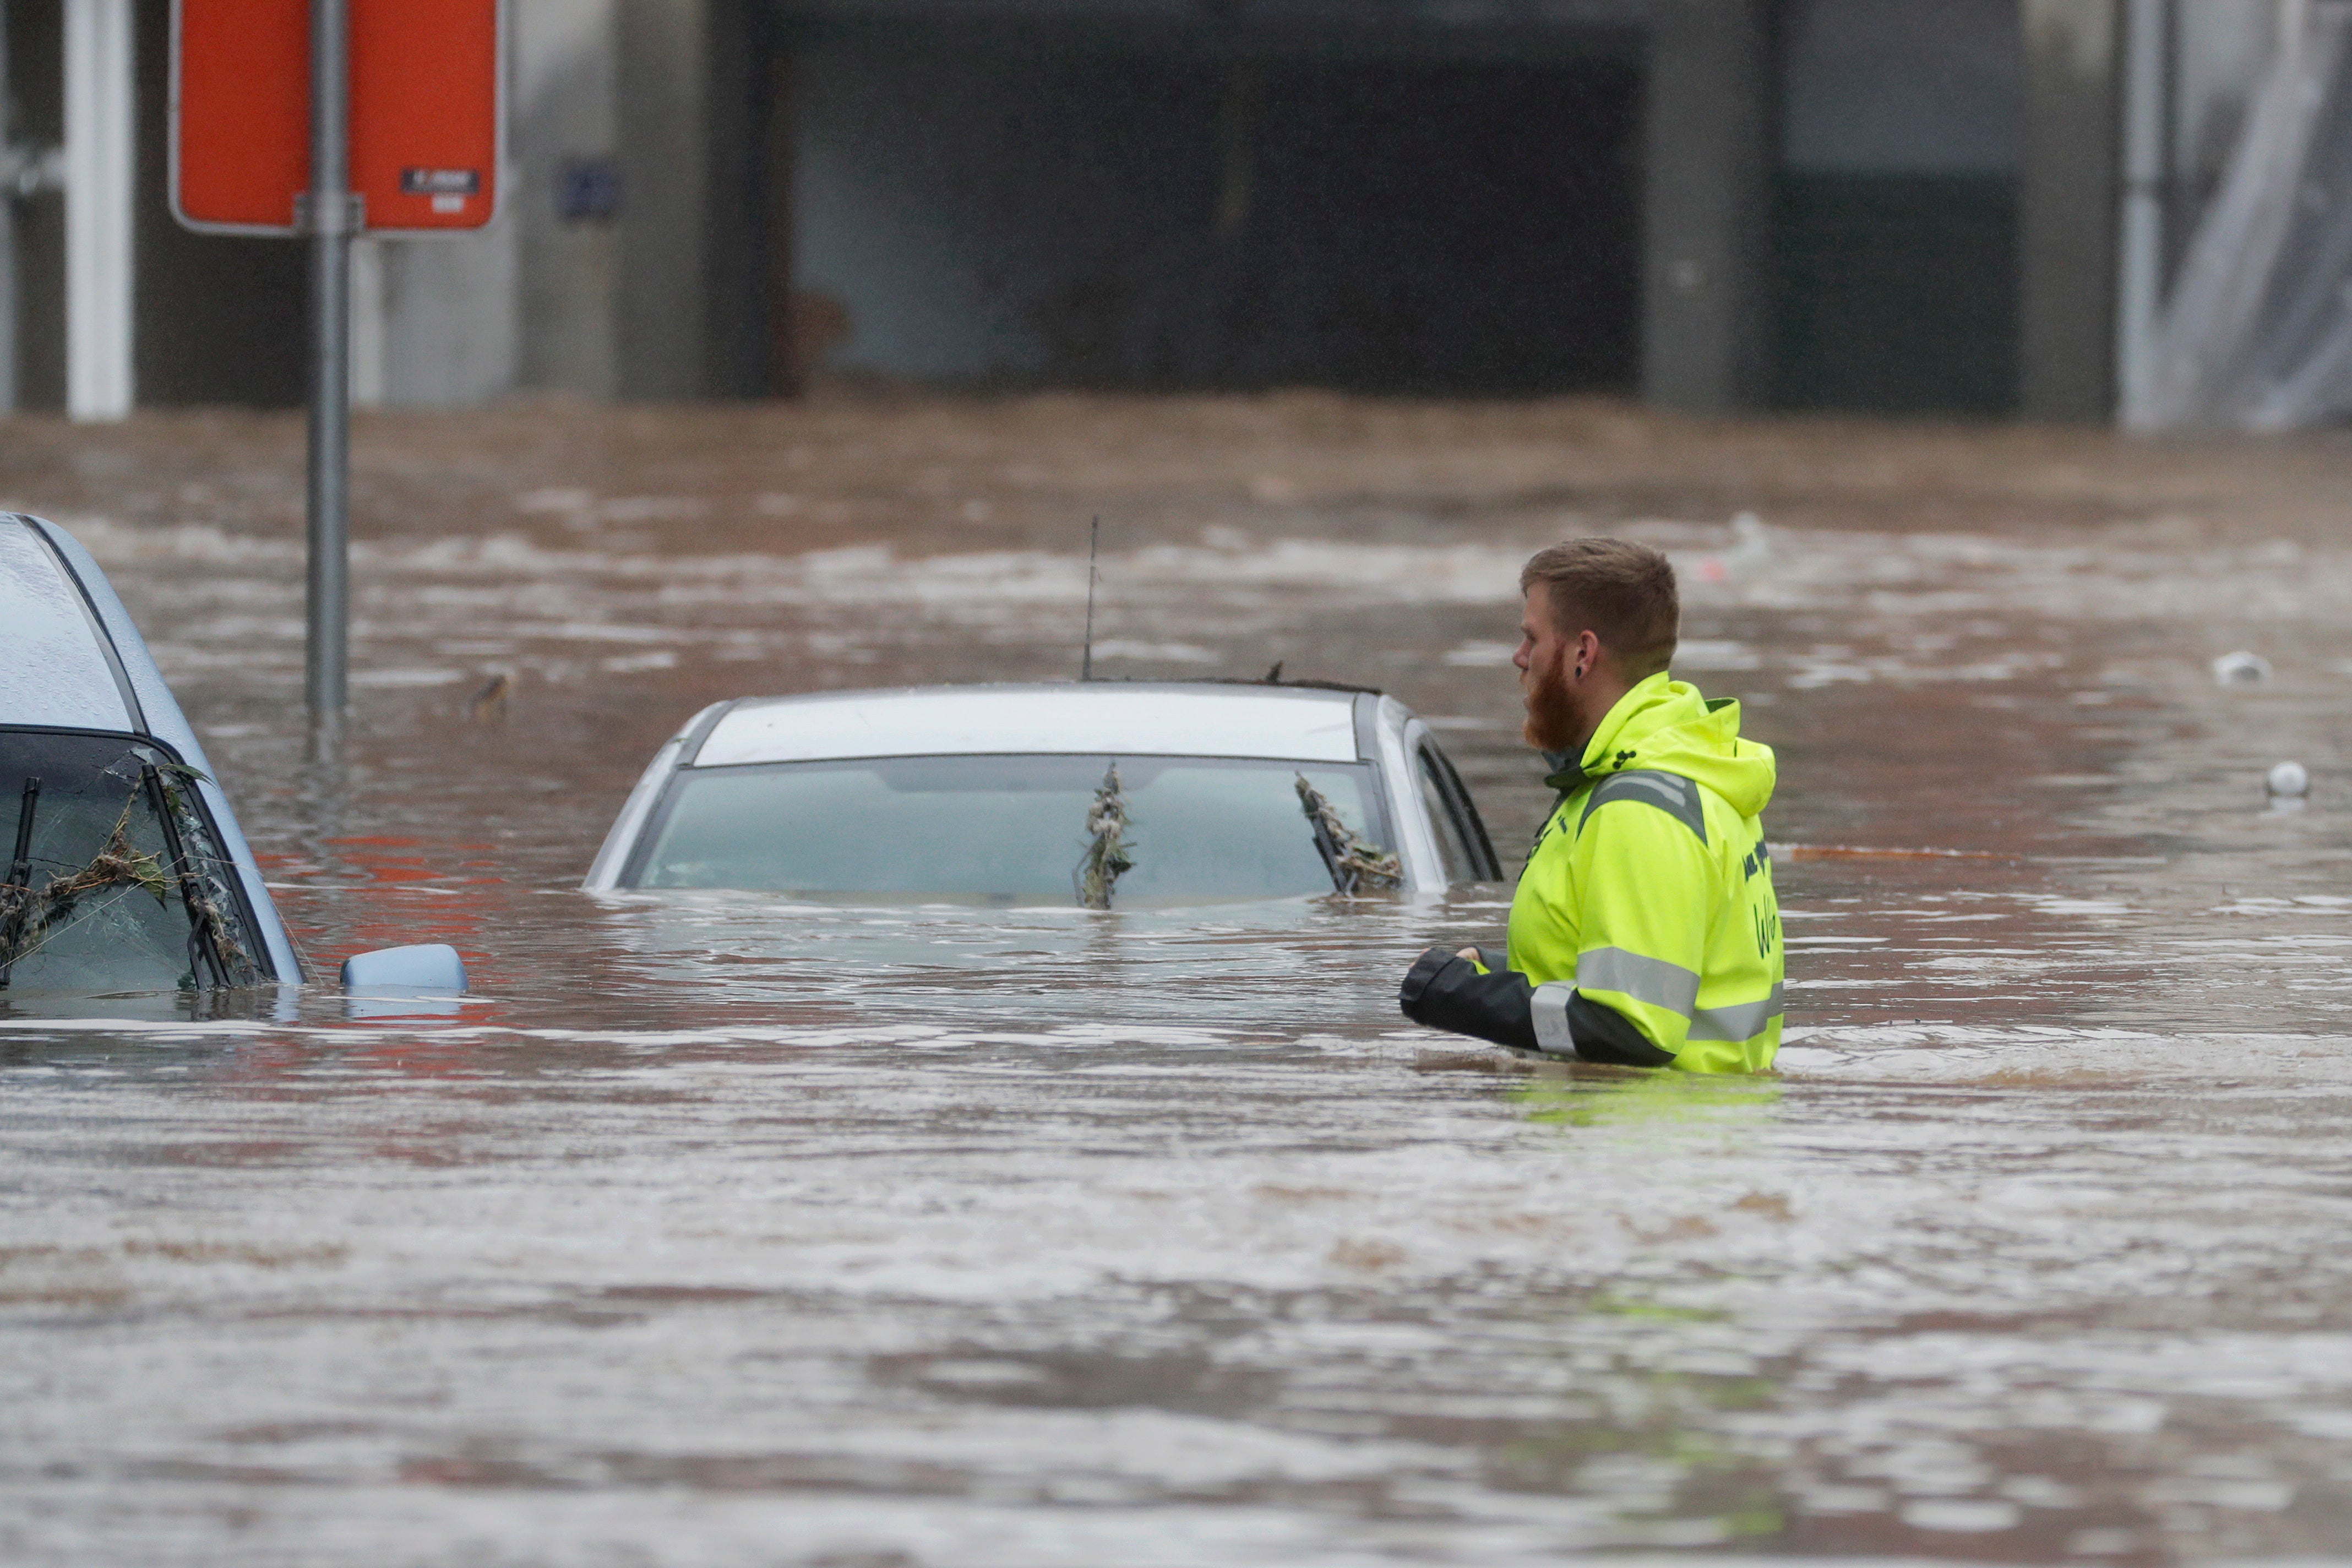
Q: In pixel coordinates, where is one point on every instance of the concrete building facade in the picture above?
(1717, 205)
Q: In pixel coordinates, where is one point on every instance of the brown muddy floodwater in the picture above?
(715, 1231)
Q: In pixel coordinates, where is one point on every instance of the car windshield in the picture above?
(113, 879)
(1016, 830)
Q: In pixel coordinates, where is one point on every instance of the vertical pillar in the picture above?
(101, 173)
(2068, 209)
(1709, 147)
(2146, 94)
(735, 335)
(787, 376)
(691, 290)
(663, 112)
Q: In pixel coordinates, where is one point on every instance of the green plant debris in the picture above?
(1108, 854)
(210, 944)
(1626, 1307)
(1355, 864)
(28, 912)
(35, 910)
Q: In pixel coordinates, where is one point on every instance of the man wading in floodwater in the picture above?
(1644, 931)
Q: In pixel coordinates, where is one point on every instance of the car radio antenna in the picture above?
(1094, 548)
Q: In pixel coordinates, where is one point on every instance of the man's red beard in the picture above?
(1552, 721)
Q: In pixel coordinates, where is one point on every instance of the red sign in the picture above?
(427, 113)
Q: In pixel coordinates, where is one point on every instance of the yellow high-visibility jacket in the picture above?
(1644, 929)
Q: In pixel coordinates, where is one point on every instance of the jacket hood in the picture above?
(1665, 725)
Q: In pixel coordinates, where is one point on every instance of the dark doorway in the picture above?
(1040, 216)
(1898, 294)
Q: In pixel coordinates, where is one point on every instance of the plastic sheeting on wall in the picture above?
(2257, 332)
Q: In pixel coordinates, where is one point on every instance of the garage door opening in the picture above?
(1024, 214)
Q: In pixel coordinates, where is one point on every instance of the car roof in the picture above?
(57, 664)
(1206, 719)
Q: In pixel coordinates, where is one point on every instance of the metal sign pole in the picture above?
(329, 217)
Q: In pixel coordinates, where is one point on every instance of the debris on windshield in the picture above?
(1354, 864)
(1109, 855)
(118, 863)
(32, 914)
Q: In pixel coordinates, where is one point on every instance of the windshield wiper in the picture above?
(20, 880)
(204, 942)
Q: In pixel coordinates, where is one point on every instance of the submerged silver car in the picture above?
(1096, 793)
(122, 867)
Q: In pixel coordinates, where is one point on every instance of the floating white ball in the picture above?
(2241, 668)
(2292, 779)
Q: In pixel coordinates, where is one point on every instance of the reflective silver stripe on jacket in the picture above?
(1549, 1007)
(1651, 979)
(1743, 1022)
(1675, 796)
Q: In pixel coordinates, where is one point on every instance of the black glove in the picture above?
(1447, 992)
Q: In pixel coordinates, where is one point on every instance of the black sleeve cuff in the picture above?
(1604, 1034)
(1447, 992)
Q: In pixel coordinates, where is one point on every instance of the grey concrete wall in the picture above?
(566, 113)
(1710, 151)
(452, 330)
(2066, 209)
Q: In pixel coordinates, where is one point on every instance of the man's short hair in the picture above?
(1622, 592)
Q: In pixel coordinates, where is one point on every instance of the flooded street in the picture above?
(714, 1230)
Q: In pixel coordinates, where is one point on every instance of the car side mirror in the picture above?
(430, 969)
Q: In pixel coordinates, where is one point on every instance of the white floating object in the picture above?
(430, 968)
(2241, 668)
(1753, 551)
(2290, 780)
